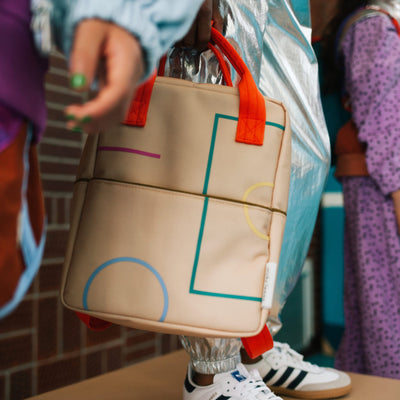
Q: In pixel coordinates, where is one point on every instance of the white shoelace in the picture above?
(254, 385)
(293, 357)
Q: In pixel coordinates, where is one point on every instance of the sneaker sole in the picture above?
(312, 394)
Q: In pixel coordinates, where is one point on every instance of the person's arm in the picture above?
(119, 40)
(372, 58)
(199, 34)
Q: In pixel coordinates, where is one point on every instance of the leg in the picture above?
(210, 356)
(215, 371)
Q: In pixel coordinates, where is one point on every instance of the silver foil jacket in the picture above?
(274, 39)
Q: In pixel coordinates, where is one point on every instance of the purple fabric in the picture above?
(21, 71)
(9, 126)
(371, 341)
(372, 52)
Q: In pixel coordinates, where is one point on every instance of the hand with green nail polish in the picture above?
(118, 73)
(78, 81)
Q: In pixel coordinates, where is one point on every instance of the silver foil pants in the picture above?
(212, 355)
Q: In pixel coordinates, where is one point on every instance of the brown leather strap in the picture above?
(351, 164)
(350, 152)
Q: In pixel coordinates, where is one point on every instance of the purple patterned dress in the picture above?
(371, 341)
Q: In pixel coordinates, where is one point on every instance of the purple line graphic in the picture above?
(127, 150)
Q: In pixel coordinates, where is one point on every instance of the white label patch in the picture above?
(269, 285)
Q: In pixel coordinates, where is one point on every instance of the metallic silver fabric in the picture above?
(244, 24)
(391, 6)
(274, 38)
(212, 355)
(289, 72)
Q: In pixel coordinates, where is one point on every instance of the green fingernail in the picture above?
(70, 117)
(78, 81)
(77, 129)
(86, 119)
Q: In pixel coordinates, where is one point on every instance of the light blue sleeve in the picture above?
(157, 24)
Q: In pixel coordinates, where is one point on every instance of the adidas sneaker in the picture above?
(284, 371)
(238, 384)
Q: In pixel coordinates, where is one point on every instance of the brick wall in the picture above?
(44, 346)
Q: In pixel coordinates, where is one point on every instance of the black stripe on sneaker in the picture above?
(270, 375)
(284, 377)
(188, 386)
(222, 397)
(297, 380)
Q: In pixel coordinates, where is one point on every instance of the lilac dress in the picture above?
(371, 341)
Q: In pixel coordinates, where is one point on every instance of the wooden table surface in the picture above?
(162, 379)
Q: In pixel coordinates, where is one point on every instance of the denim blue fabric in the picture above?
(157, 24)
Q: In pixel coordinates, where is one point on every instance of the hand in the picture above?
(396, 203)
(113, 55)
(200, 32)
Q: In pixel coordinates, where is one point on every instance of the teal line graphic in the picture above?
(269, 123)
(204, 214)
(198, 247)
(211, 152)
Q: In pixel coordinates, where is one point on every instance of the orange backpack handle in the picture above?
(258, 344)
(252, 114)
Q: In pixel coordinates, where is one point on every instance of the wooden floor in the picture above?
(162, 379)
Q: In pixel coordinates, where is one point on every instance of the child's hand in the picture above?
(200, 32)
(111, 54)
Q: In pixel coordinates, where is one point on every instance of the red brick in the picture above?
(63, 98)
(47, 328)
(48, 205)
(55, 114)
(141, 337)
(63, 208)
(58, 374)
(71, 331)
(59, 151)
(21, 318)
(56, 243)
(21, 385)
(97, 337)
(58, 168)
(57, 186)
(62, 133)
(50, 277)
(94, 364)
(114, 358)
(2, 387)
(57, 79)
(58, 61)
(15, 351)
(170, 343)
(140, 355)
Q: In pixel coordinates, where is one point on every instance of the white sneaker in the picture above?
(285, 372)
(238, 384)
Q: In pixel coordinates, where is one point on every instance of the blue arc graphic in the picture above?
(133, 260)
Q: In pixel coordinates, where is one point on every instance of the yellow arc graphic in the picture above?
(246, 208)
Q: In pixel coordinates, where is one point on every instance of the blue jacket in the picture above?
(157, 24)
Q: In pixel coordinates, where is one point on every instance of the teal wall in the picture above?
(332, 262)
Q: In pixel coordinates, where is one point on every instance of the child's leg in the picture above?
(210, 356)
